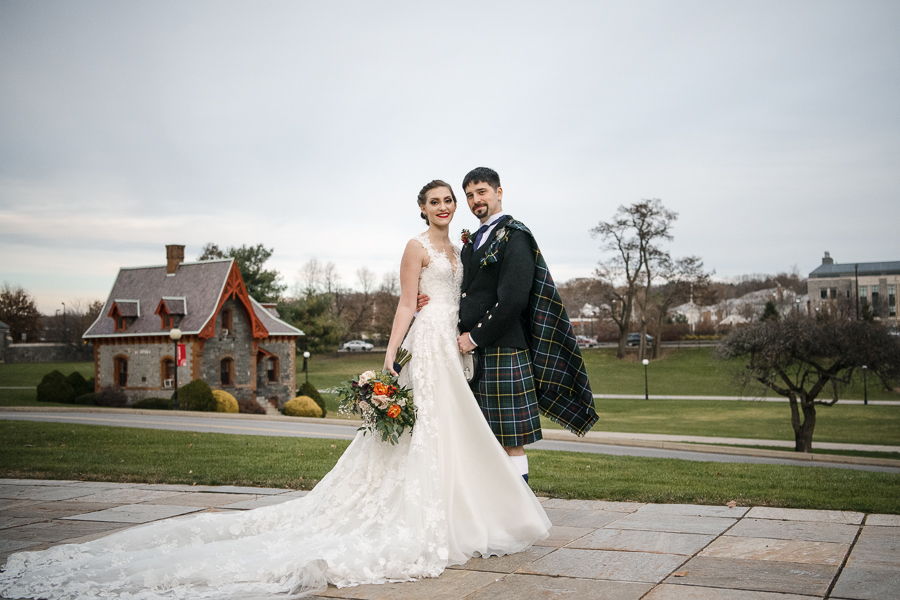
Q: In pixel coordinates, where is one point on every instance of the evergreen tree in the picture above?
(263, 285)
(770, 313)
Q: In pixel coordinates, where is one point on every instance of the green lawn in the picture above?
(96, 453)
(689, 371)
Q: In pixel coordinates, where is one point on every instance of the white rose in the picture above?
(380, 401)
(365, 377)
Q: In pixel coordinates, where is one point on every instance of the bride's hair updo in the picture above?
(430, 186)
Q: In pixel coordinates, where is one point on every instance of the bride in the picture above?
(384, 513)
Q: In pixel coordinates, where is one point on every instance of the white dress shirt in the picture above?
(491, 223)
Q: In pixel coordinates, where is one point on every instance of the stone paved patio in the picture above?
(596, 551)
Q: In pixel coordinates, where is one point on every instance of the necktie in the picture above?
(480, 234)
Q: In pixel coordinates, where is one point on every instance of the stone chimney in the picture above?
(827, 260)
(174, 257)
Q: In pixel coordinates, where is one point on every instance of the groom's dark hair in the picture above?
(482, 175)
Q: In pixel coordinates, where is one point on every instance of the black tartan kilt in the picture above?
(507, 397)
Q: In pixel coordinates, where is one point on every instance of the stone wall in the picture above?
(48, 353)
(278, 392)
(237, 345)
(145, 368)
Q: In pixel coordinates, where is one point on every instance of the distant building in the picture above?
(231, 341)
(833, 287)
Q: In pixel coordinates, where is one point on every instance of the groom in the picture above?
(511, 315)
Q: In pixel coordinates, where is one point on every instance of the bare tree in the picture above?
(652, 224)
(632, 236)
(678, 279)
(801, 358)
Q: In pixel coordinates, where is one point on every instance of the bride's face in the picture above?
(439, 206)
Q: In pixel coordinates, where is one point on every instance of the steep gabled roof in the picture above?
(275, 325)
(196, 290)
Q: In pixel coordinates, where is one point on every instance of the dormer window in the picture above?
(124, 313)
(171, 310)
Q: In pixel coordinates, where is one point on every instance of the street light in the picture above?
(646, 386)
(65, 333)
(865, 385)
(306, 365)
(175, 334)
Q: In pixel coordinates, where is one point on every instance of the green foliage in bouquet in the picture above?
(384, 406)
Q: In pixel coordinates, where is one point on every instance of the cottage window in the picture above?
(863, 295)
(120, 324)
(227, 321)
(892, 299)
(875, 297)
(823, 293)
(168, 372)
(168, 321)
(227, 371)
(272, 368)
(120, 365)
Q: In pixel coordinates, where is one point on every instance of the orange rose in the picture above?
(379, 388)
(394, 411)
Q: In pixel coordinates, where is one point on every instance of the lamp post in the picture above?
(175, 334)
(65, 333)
(646, 385)
(865, 385)
(306, 365)
(797, 304)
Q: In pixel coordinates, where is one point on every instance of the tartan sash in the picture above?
(563, 389)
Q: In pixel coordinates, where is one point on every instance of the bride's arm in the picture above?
(414, 258)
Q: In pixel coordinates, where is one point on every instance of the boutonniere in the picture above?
(501, 232)
(491, 256)
(466, 237)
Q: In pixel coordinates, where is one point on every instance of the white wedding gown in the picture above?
(383, 514)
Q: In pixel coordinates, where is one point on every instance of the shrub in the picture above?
(153, 404)
(250, 407)
(112, 396)
(225, 402)
(87, 399)
(80, 384)
(54, 387)
(196, 395)
(302, 406)
(308, 389)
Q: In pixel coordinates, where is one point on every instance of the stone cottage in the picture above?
(230, 340)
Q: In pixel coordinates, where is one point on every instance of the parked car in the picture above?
(357, 345)
(634, 339)
(586, 342)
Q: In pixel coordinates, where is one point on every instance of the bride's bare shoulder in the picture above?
(415, 251)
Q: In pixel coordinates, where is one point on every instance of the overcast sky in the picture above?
(772, 128)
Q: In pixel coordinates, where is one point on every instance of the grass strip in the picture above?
(860, 453)
(99, 453)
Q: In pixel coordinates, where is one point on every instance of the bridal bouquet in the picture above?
(384, 406)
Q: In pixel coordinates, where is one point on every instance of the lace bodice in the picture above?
(439, 280)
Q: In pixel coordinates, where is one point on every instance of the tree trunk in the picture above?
(623, 338)
(803, 432)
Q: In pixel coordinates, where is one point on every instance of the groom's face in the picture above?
(484, 201)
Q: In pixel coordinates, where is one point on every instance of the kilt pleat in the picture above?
(507, 396)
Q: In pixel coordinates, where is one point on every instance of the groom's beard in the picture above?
(480, 211)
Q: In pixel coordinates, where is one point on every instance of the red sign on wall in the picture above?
(182, 355)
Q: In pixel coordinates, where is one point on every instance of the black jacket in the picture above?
(495, 295)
